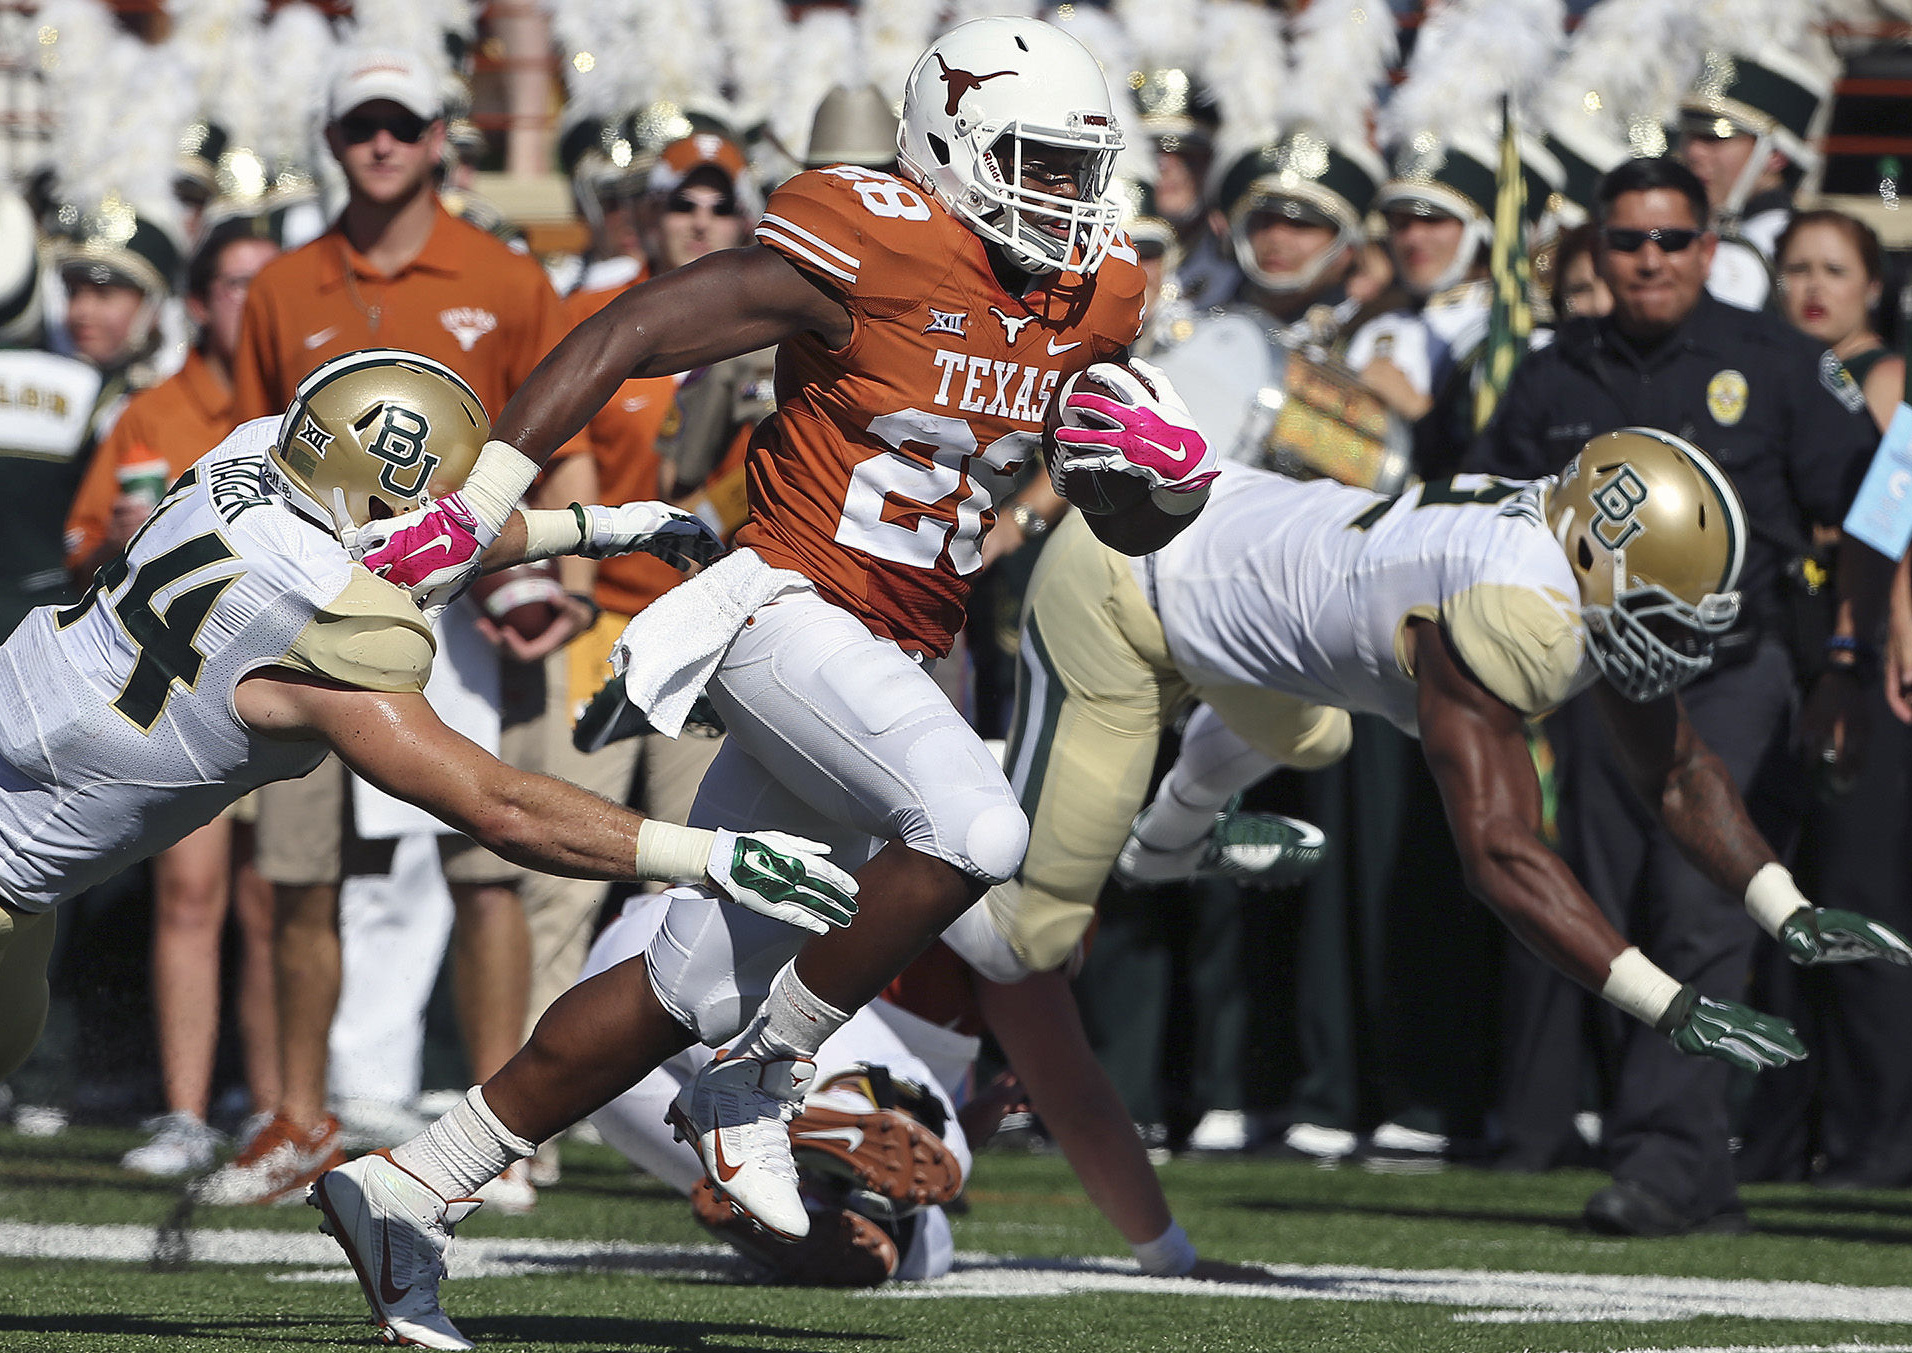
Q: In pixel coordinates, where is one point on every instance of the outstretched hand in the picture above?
(679, 538)
(783, 877)
(433, 552)
(1730, 1032)
(1820, 935)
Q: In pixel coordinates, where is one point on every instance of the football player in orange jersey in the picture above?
(925, 321)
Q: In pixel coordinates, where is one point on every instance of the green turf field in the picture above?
(92, 1259)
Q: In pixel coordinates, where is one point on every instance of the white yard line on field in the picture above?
(1485, 1296)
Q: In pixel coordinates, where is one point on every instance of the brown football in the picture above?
(1096, 492)
(524, 598)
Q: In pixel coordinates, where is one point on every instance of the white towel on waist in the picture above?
(669, 651)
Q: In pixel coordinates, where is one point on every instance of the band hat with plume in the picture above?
(1444, 120)
(1303, 167)
(1614, 88)
(112, 156)
(1338, 56)
(20, 308)
(1771, 93)
(633, 70)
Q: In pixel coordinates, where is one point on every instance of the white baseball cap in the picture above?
(385, 73)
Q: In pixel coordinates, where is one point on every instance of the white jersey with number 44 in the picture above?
(118, 732)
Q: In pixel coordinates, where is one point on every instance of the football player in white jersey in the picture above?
(234, 642)
(1458, 611)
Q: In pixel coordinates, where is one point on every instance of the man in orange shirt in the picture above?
(159, 436)
(395, 270)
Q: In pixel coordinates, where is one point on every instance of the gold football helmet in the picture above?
(1656, 535)
(375, 434)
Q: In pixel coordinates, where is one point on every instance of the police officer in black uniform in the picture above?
(1791, 429)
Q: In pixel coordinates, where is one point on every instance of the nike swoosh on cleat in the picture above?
(387, 1290)
(725, 1170)
(852, 1138)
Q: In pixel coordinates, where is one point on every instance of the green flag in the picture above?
(1510, 321)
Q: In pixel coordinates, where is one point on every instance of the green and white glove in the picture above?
(1821, 935)
(1729, 1031)
(678, 538)
(783, 877)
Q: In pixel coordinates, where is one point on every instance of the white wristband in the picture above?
(668, 851)
(1772, 897)
(1169, 1255)
(1637, 985)
(550, 534)
(497, 481)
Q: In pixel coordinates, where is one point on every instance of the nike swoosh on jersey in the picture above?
(852, 1138)
(1057, 351)
(314, 340)
(388, 1291)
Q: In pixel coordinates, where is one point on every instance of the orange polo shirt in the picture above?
(163, 430)
(467, 300)
(623, 439)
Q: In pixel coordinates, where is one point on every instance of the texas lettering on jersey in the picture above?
(880, 472)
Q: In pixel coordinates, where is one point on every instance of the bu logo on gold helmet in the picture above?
(1656, 536)
(375, 434)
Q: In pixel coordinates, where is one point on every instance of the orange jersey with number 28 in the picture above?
(880, 471)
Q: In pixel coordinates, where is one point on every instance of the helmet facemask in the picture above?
(1000, 209)
(1649, 643)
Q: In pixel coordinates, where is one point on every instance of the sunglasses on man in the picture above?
(1672, 239)
(357, 129)
(680, 205)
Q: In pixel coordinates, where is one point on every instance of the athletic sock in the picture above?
(793, 1022)
(465, 1149)
(1213, 766)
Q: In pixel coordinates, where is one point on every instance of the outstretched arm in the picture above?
(1672, 769)
(1476, 748)
(397, 742)
(720, 306)
(1039, 1029)
(724, 304)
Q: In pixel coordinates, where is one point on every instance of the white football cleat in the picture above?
(394, 1228)
(736, 1113)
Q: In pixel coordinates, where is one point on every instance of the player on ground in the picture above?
(1457, 611)
(925, 322)
(234, 642)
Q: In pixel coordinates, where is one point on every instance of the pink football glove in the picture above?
(433, 552)
(1150, 434)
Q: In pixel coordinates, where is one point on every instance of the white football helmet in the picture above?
(1656, 535)
(979, 94)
